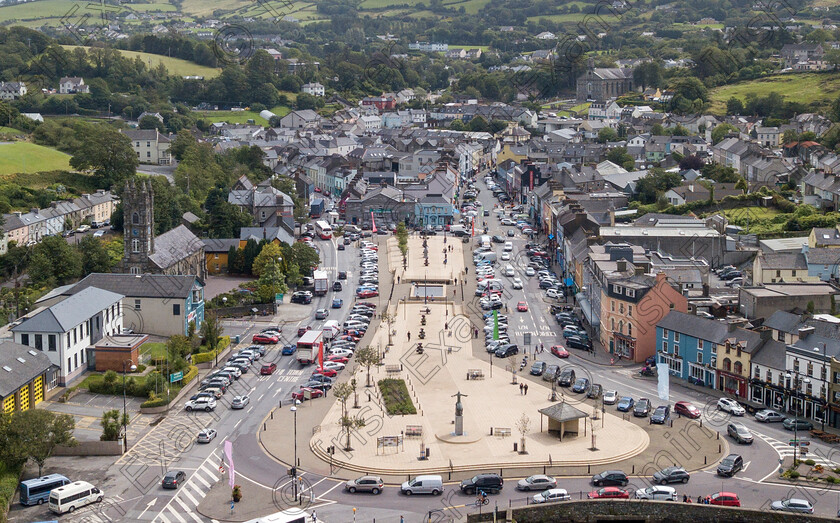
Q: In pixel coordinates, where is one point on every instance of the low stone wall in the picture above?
(263, 309)
(636, 510)
(91, 448)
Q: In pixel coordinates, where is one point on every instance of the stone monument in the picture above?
(459, 415)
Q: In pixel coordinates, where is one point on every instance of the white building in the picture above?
(315, 89)
(371, 122)
(72, 85)
(68, 330)
(429, 47)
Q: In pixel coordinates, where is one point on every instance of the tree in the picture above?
(177, 348)
(94, 255)
(607, 134)
(41, 431)
(523, 425)
(271, 283)
(112, 425)
(655, 183)
(107, 153)
(691, 161)
(342, 392)
(790, 136)
(151, 122)
(268, 255)
(234, 262)
(619, 156)
(734, 106)
(367, 357)
(54, 261)
(212, 330)
(305, 257)
(249, 253)
(722, 130)
(183, 141)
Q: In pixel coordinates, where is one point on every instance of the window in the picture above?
(699, 345)
(665, 333)
(778, 274)
(822, 373)
(629, 329)
(810, 369)
(768, 376)
(809, 389)
(738, 367)
(135, 245)
(631, 293)
(39, 342)
(176, 309)
(621, 308)
(76, 360)
(795, 365)
(727, 365)
(137, 305)
(664, 346)
(677, 337)
(780, 336)
(216, 256)
(700, 358)
(134, 270)
(74, 336)
(612, 305)
(757, 373)
(69, 367)
(616, 289)
(793, 272)
(51, 343)
(629, 310)
(135, 219)
(68, 339)
(24, 340)
(612, 324)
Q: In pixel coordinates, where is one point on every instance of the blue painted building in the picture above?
(688, 344)
(434, 209)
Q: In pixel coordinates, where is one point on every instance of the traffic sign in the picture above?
(176, 376)
(527, 338)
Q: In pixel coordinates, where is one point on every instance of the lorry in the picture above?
(308, 346)
(317, 208)
(321, 283)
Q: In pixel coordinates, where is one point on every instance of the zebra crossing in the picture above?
(181, 508)
(784, 450)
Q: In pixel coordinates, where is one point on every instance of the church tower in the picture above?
(138, 226)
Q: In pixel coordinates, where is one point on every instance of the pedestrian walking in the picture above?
(466, 270)
(521, 388)
(398, 279)
(409, 335)
(526, 389)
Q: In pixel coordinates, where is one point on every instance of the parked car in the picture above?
(730, 465)
(594, 391)
(730, 406)
(660, 414)
(657, 493)
(581, 385)
(725, 499)
(798, 424)
(685, 408)
(671, 475)
(608, 493)
(265, 338)
(559, 351)
(642, 408)
(610, 397)
(769, 416)
(372, 484)
(538, 368)
(793, 505)
(579, 342)
(239, 402)
(625, 404)
(739, 432)
(301, 394)
(550, 495)
(536, 482)
(173, 479)
(610, 477)
(205, 404)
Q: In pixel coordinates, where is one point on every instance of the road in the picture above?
(133, 492)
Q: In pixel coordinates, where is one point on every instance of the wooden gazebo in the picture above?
(563, 419)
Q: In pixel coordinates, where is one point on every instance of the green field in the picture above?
(25, 157)
(241, 116)
(175, 66)
(807, 88)
(153, 6)
(568, 17)
(10, 130)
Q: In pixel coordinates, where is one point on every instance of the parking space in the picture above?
(164, 444)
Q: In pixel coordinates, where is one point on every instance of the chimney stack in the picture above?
(804, 332)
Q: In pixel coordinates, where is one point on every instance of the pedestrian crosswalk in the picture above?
(182, 507)
(785, 450)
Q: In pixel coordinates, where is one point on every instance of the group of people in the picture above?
(700, 499)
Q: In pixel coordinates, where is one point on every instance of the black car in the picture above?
(594, 391)
(614, 478)
(538, 368)
(661, 414)
(581, 385)
(498, 239)
(302, 297)
(342, 275)
(313, 384)
(642, 408)
(489, 483)
(566, 378)
(730, 465)
(506, 350)
(671, 475)
(578, 342)
(337, 286)
(173, 479)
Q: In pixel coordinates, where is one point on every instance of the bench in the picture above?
(413, 430)
(392, 369)
(475, 374)
(501, 431)
(830, 438)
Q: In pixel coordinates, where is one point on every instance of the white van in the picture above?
(75, 495)
(423, 485)
(486, 256)
(331, 329)
(485, 241)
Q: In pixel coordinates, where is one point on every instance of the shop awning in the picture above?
(586, 308)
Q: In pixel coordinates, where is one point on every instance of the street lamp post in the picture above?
(294, 465)
(125, 416)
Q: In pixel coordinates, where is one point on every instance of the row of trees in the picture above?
(53, 261)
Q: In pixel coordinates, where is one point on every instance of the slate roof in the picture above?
(33, 365)
(783, 321)
(823, 256)
(772, 354)
(220, 245)
(613, 73)
(784, 261)
(138, 286)
(695, 326)
(175, 245)
(71, 312)
(563, 412)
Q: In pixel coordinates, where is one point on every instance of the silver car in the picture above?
(537, 482)
(793, 505)
(372, 484)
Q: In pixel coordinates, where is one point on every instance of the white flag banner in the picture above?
(663, 376)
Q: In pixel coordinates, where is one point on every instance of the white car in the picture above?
(508, 246)
(505, 256)
(554, 293)
(333, 365)
(730, 406)
(530, 271)
(205, 404)
(509, 271)
(517, 283)
(610, 397)
(657, 492)
(344, 353)
(554, 494)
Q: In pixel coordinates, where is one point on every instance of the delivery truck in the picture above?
(321, 283)
(308, 346)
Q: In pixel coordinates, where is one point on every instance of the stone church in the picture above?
(601, 84)
(177, 251)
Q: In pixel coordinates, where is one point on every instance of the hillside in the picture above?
(175, 66)
(24, 157)
(818, 89)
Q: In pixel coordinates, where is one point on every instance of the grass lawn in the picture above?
(173, 65)
(808, 88)
(580, 108)
(396, 397)
(241, 116)
(10, 130)
(568, 17)
(153, 349)
(484, 48)
(36, 10)
(752, 213)
(25, 157)
(470, 6)
(154, 6)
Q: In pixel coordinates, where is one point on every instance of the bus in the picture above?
(75, 495)
(37, 491)
(323, 229)
(292, 515)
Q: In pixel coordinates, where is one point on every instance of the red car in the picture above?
(299, 395)
(348, 337)
(522, 306)
(302, 330)
(367, 304)
(337, 359)
(268, 368)
(686, 409)
(559, 351)
(725, 499)
(367, 294)
(608, 493)
(330, 373)
(265, 338)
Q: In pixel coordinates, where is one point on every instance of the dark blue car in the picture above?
(625, 404)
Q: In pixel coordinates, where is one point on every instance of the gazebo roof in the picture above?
(563, 412)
